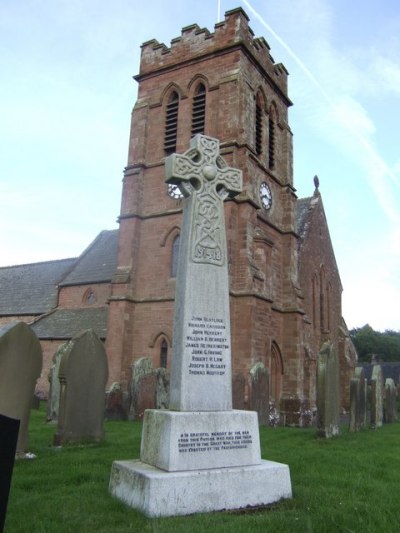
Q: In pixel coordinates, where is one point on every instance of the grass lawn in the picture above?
(351, 483)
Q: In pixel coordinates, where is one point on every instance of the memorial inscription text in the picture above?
(214, 441)
(207, 342)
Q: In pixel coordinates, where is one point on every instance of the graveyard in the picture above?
(193, 456)
(348, 483)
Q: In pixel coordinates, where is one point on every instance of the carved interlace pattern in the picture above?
(203, 174)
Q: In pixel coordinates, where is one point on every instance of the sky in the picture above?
(66, 93)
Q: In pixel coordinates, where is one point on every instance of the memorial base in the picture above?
(181, 440)
(158, 493)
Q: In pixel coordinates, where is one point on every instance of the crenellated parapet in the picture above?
(195, 43)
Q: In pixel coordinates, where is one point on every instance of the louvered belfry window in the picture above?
(271, 142)
(199, 110)
(171, 124)
(258, 129)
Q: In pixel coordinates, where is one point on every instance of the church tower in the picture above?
(226, 85)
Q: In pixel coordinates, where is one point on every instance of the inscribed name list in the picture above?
(207, 346)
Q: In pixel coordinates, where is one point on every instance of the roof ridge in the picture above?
(39, 262)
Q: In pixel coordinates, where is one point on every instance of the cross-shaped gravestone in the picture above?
(201, 361)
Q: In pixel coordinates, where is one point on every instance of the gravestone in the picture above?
(9, 428)
(142, 380)
(358, 401)
(83, 375)
(53, 402)
(115, 403)
(238, 391)
(20, 367)
(162, 391)
(390, 401)
(35, 402)
(327, 392)
(259, 392)
(146, 394)
(376, 397)
(200, 455)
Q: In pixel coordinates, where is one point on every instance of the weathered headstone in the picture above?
(83, 375)
(259, 392)
(35, 402)
(115, 403)
(390, 409)
(142, 372)
(358, 400)
(20, 367)
(9, 428)
(376, 397)
(200, 455)
(162, 392)
(146, 394)
(327, 392)
(238, 391)
(53, 402)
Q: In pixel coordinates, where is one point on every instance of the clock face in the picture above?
(265, 195)
(174, 192)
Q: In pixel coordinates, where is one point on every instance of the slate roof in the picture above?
(97, 263)
(389, 370)
(31, 289)
(303, 207)
(66, 323)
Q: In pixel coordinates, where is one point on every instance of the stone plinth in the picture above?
(158, 493)
(202, 440)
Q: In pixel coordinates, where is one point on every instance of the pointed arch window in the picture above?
(175, 256)
(259, 126)
(315, 304)
(322, 300)
(276, 372)
(199, 110)
(90, 297)
(328, 306)
(171, 123)
(271, 139)
(164, 354)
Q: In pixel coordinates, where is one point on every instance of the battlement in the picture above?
(195, 42)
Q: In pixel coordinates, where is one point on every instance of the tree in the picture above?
(368, 342)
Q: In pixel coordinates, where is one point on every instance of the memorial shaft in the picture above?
(201, 358)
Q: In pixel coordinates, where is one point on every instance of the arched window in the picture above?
(276, 372)
(315, 302)
(171, 123)
(259, 125)
(90, 297)
(328, 306)
(199, 110)
(322, 296)
(271, 139)
(164, 354)
(175, 256)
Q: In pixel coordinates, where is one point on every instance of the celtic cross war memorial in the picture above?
(200, 455)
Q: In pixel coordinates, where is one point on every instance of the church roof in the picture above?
(97, 263)
(303, 210)
(389, 370)
(66, 323)
(31, 289)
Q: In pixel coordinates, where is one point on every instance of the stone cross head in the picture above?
(203, 176)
